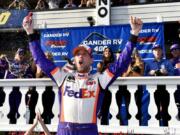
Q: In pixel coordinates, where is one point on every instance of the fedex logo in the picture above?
(83, 93)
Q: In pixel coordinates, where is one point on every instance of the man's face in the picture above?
(157, 53)
(82, 61)
(175, 53)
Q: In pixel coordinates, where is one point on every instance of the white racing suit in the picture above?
(79, 93)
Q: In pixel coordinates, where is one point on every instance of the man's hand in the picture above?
(27, 24)
(136, 25)
(164, 71)
(152, 72)
(177, 65)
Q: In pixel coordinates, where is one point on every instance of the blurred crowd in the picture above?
(22, 66)
(56, 4)
(155, 67)
(47, 4)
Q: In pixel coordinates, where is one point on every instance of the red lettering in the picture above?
(87, 94)
(56, 43)
(147, 39)
(91, 94)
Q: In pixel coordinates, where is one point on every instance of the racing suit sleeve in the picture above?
(50, 69)
(119, 66)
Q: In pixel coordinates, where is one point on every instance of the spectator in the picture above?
(23, 5)
(19, 67)
(104, 114)
(53, 4)
(158, 66)
(41, 5)
(83, 3)
(70, 4)
(4, 65)
(142, 97)
(18, 4)
(91, 3)
(136, 68)
(14, 5)
(175, 51)
(107, 58)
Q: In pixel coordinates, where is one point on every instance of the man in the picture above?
(79, 91)
(175, 51)
(19, 67)
(158, 66)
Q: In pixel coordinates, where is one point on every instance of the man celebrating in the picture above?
(79, 91)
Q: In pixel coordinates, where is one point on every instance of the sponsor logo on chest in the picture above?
(82, 93)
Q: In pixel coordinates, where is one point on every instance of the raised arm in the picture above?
(46, 130)
(34, 44)
(30, 130)
(124, 59)
(38, 118)
(10, 5)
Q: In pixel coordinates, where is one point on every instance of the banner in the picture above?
(61, 42)
(12, 18)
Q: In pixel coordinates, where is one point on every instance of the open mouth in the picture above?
(80, 62)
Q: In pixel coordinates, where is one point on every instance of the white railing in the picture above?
(113, 127)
